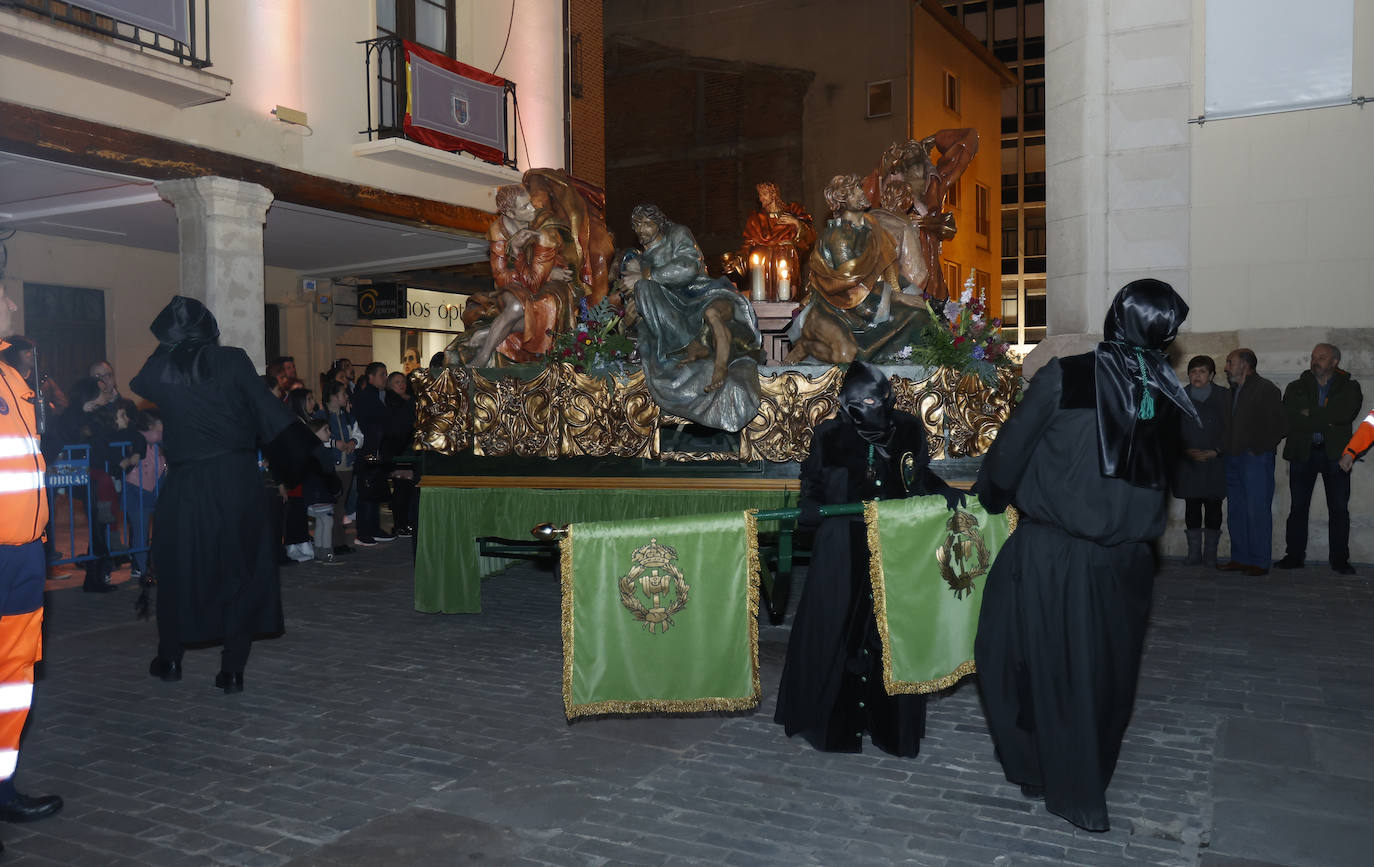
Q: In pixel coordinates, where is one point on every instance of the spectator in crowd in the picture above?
(95, 429)
(345, 369)
(370, 409)
(295, 520)
(23, 571)
(1200, 480)
(141, 482)
(1359, 443)
(345, 438)
(1321, 407)
(103, 374)
(278, 381)
(288, 369)
(398, 438)
(320, 490)
(1253, 433)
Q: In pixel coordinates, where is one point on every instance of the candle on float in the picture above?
(756, 278)
(784, 284)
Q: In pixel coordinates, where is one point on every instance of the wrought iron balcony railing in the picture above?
(387, 101)
(180, 32)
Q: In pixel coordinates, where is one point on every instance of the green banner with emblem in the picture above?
(928, 569)
(661, 615)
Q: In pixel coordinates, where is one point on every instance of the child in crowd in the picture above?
(320, 490)
(142, 481)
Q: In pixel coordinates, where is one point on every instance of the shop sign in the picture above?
(382, 301)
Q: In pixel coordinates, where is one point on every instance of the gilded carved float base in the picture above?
(557, 412)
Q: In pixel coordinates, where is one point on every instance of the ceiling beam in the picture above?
(72, 141)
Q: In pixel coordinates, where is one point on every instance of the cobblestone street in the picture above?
(370, 734)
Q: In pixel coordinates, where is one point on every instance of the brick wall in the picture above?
(589, 109)
(694, 135)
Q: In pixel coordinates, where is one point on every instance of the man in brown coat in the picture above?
(1256, 425)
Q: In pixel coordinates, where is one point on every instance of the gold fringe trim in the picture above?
(907, 687)
(1013, 518)
(878, 579)
(565, 572)
(692, 705)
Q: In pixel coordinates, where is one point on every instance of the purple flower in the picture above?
(951, 310)
(979, 353)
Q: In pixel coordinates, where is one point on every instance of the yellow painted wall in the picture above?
(934, 51)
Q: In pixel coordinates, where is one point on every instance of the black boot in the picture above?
(1194, 548)
(1209, 547)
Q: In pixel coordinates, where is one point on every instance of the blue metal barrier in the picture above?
(70, 474)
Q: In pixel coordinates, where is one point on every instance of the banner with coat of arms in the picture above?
(661, 614)
(452, 106)
(928, 569)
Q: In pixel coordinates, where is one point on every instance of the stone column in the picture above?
(1118, 157)
(219, 223)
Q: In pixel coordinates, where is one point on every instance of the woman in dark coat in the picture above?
(1086, 458)
(217, 563)
(1200, 480)
(832, 684)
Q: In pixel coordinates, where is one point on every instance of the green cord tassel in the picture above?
(1147, 400)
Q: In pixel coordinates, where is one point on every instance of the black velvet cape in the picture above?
(1066, 602)
(831, 690)
(212, 540)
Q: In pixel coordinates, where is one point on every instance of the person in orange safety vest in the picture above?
(23, 569)
(1359, 443)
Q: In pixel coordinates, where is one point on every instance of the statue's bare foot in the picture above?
(716, 382)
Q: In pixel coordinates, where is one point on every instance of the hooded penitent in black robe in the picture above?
(1066, 602)
(832, 683)
(212, 543)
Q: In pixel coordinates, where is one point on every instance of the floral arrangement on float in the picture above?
(961, 337)
(596, 343)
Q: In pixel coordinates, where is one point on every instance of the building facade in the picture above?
(793, 93)
(1260, 220)
(244, 159)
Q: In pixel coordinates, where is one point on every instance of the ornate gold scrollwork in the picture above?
(793, 404)
(562, 412)
(516, 417)
(606, 417)
(441, 410)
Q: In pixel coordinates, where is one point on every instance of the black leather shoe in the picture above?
(22, 808)
(229, 681)
(1289, 562)
(1035, 792)
(1343, 568)
(166, 669)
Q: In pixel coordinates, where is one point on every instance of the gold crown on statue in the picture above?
(654, 555)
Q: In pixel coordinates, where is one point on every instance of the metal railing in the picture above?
(76, 531)
(384, 70)
(195, 52)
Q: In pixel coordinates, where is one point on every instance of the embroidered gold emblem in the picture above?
(908, 470)
(654, 576)
(964, 556)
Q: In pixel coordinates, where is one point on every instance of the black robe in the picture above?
(212, 540)
(1066, 602)
(831, 690)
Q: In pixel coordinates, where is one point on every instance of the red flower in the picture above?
(959, 340)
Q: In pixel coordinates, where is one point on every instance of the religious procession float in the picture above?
(648, 404)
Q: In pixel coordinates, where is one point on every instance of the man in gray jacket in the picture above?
(1321, 406)
(1256, 425)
